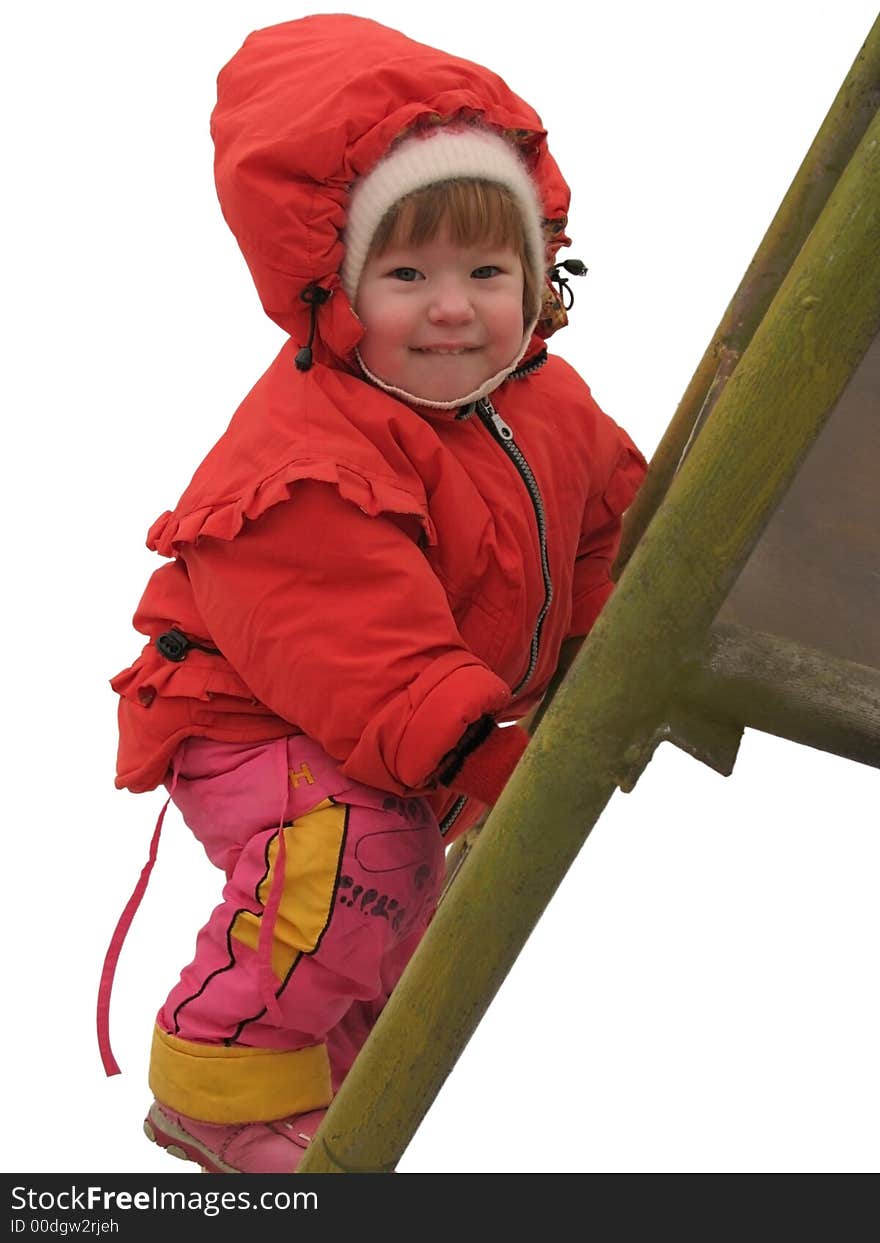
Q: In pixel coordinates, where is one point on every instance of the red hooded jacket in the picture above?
(379, 576)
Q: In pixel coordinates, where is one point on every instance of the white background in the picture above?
(701, 993)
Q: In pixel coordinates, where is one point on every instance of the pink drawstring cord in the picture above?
(105, 987)
(268, 982)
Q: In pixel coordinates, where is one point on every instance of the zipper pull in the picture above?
(500, 426)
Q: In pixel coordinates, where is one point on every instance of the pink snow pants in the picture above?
(329, 888)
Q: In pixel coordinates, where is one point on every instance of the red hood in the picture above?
(297, 120)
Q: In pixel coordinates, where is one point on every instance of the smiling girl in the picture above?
(377, 564)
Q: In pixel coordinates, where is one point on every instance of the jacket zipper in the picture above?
(503, 434)
(500, 432)
(452, 815)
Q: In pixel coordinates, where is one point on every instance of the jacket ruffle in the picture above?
(151, 675)
(225, 518)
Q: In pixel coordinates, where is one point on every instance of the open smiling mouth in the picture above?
(442, 350)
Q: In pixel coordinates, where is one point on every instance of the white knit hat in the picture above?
(422, 160)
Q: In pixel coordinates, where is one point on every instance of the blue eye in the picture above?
(405, 274)
(485, 272)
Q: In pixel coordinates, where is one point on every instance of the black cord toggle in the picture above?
(174, 645)
(576, 268)
(314, 295)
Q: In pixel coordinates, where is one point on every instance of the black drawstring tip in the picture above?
(313, 295)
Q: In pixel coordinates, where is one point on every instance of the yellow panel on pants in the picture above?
(313, 846)
(225, 1084)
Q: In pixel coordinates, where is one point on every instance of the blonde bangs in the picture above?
(472, 211)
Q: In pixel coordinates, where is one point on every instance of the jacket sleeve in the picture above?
(620, 478)
(337, 623)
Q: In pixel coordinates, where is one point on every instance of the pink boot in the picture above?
(240, 1148)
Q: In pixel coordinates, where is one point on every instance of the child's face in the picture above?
(440, 318)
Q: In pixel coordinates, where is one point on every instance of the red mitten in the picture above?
(484, 772)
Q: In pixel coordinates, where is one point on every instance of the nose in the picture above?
(450, 303)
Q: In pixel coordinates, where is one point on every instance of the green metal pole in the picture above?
(839, 135)
(608, 708)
